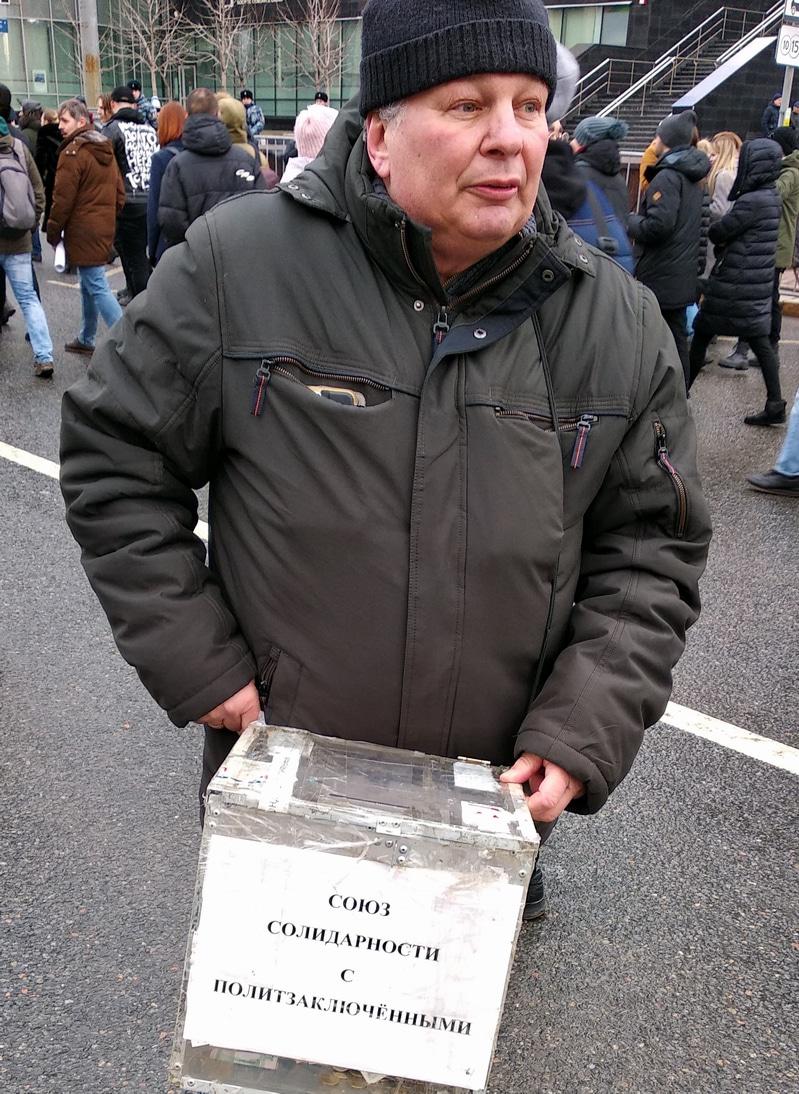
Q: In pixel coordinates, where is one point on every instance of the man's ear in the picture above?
(376, 145)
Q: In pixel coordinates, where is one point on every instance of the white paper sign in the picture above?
(788, 45)
(320, 957)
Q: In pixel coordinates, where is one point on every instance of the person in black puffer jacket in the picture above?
(209, 169)
(737, 299)
(671, 231)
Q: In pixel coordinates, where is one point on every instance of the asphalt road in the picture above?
(669, 960)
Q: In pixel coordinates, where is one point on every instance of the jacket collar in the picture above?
(340, 183)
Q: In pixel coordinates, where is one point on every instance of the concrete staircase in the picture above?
(677, 72)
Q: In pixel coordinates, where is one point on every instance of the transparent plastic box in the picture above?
(355, 919)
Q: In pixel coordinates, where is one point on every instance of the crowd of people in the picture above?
(710, 231)
(126, 181)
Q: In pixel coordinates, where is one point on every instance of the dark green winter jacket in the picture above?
(438, 569)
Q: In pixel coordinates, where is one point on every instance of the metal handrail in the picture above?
(771, 17)
(611, 108)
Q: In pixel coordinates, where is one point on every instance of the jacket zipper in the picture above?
(441, 326)
(582, 425)
(664, 461)
(267, 676)
(271, 366)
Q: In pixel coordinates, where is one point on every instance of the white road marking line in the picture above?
(50, 468)
(733, 737)
(679, 717)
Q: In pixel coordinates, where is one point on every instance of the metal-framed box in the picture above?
(355, 919)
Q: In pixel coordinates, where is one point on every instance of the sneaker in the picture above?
(773, 482)
(535, 906)
(43, 369)
(123, 298)
(76, 346)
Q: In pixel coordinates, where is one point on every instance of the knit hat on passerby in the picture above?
(409, 46)
(591, 130)
(310, 129)
(677, 130)
(787, 138)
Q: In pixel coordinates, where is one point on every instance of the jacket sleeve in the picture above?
(258, 125)
(140, 433)
(36, 182)
(704, 228)
(661, 209)
(720, 203)
(741, 216)
(173, 208)
(153, 195)
(644, 548)
(65, 193)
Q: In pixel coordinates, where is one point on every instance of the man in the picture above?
(445, 562)
(148, 111)
(87, 198)
(771, 115)
(209, 169)
(30, 123)
(23, 203)
(322, 97)
(671, 229)
(134, 143)
(255, 116)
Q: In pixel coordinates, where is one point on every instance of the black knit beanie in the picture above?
(411, 45)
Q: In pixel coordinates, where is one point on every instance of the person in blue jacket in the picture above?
(170, 132)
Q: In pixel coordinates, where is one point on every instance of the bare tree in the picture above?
(320, 50)
(230, 32)
(157, 34)
(68, 19)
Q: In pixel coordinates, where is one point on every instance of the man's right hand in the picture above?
(237, 712)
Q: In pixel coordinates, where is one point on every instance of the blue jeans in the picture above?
(97, 300)
(788, 459)
(19, 272)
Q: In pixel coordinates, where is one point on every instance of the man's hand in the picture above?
(237, 712)
(551, 788)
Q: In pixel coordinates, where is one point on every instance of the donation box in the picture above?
(355, 920)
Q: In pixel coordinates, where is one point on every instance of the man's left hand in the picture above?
(551, 788)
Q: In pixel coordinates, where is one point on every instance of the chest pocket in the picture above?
(342, 389)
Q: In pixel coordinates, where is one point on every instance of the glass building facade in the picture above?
(40, 57)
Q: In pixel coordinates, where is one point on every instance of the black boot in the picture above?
(535, 905)
(773, 414)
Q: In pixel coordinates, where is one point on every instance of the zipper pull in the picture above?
(262, 378)
(441, 326)
(581, 440)
(662, 454)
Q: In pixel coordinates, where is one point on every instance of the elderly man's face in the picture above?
(465, 159)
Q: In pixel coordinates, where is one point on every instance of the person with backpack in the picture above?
(170, 136)
(21, 206)
(209, 169)
(601, 220)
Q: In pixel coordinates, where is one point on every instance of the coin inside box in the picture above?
(355, 919)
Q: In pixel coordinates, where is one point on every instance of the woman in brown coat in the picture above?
(87, 196)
